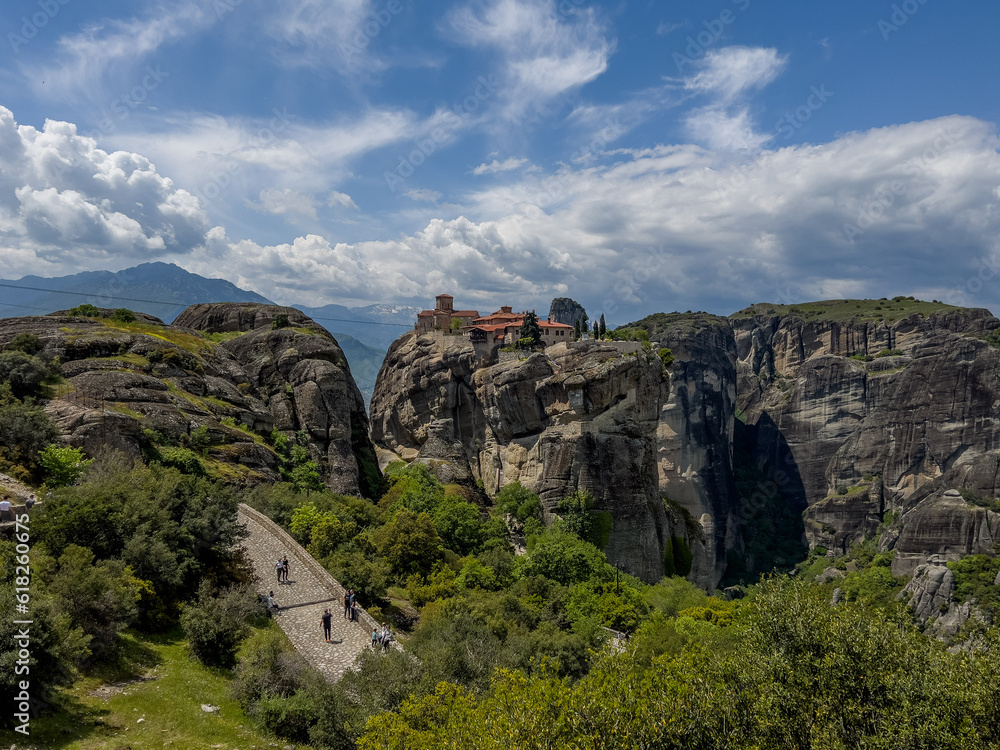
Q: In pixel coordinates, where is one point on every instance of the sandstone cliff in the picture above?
(652, 446)
(132, 385)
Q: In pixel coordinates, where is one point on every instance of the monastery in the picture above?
(501, 327)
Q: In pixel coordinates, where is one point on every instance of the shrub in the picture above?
(85, 311)
(216, 626)
(183, 459)
(666, 357)
(280, 321)
(23, 372)
(25, 429)
(28, 343)
(123, 315)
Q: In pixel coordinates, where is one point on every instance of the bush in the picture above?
(28, 343)
(216, 626)
(182, 459)
(85, 311)
(666, 357)
(23, 372)
(25, 430)
(280, 321)
(123, 315)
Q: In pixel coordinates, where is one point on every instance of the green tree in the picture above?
(62, 465)
(603, 326)
(459, 525)
(409, 543)
(530, 334)
(25, 430)
(24, 372)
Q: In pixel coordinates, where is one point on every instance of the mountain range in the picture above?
(165, 290)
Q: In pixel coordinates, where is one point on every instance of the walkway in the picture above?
(310, 590)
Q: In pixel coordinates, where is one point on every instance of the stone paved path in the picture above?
(310, 590)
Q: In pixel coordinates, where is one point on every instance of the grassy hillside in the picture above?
(844, 310)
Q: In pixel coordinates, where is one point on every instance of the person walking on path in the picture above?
(386, 637)
(278, 569)
(347, 604)
(376, 639)
(284, 568)
(326, 625)
(353, 613)
(30, 502)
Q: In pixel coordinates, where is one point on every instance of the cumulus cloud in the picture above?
(546, 51)
(677, 227)
(64, 200)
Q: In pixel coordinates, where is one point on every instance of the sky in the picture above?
(638, 157)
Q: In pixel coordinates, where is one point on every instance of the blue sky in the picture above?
(637, 157)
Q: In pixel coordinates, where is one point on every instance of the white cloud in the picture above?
(729, 72)
(287, 201)
(112, 49)
(546, 53)
(681, 227)
(64, 200)
(337, 198)
(507, 165)
(423, 194)
(726, 76)
(325, 33)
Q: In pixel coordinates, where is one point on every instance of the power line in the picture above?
(173, 304)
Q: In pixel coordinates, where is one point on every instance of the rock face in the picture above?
(879, 418)
(133, 386)
(566, 310)
(653, 447)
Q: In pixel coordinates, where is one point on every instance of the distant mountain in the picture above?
(364, 361)
(376, 325)
(164, 290)
(160, 289)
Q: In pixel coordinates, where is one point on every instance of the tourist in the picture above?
(278, 569)
(347, 604)
(284, 568)
(30, 502)
(5, 505)
(376, 638)
(326, 624)
(386, 637)
(351, 592)
(272, 605)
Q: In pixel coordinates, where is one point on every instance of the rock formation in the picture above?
(131, 386)
(566, 310)
(653, 447)
(833, 423)
(882, 420)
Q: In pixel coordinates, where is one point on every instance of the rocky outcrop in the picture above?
(878, 412)
(566, 310)
(135, 386)
(930, 594)
(652, 447)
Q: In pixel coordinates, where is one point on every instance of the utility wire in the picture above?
(173, 304)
